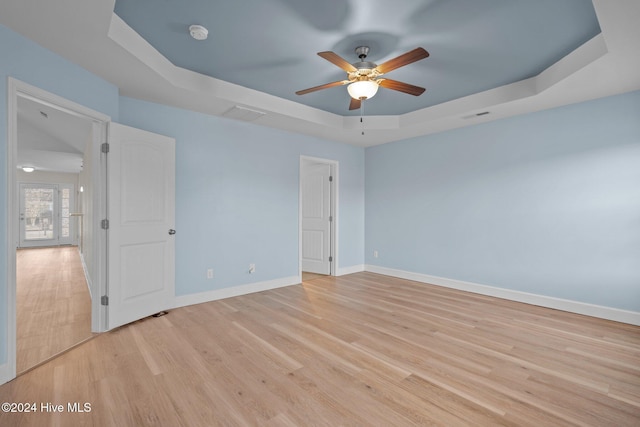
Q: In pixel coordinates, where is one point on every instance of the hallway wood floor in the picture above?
(53, 307)
(356, 350)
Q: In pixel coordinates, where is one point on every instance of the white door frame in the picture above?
(334, 211)
(15, 89)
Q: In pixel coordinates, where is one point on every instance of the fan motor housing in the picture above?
(365, 71)
(365, 65)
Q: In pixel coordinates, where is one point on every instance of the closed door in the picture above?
(316, 218)
(38, 215)
(141, 211)
(45, 215)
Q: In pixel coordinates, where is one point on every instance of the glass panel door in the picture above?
(38, 215)
(46, 215)
(67, 229)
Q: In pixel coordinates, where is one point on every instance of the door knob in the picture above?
(172, 232)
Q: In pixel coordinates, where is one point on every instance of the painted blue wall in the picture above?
(26, 61)
(237, 190)
(237, 183)
(547, 203)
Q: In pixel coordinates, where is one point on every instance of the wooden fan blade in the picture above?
(354, 104)
(401, 87)
(324, 86)
(336, 59)
(412, 56)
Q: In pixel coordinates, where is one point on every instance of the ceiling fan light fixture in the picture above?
(362, 77)
(364, 89)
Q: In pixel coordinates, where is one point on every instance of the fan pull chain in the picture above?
(362, 115)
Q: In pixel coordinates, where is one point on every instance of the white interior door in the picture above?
(316, 218)
(141, 212)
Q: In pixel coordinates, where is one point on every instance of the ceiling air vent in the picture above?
(243, 113)
(471, 116)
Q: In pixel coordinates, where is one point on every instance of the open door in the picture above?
(141, 215)
(316, 218)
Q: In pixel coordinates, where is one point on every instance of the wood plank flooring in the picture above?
(53, 307)
(358, 350)
(306, 276)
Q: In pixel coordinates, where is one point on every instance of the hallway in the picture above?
(53, 306)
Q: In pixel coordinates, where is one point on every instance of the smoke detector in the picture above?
(198, 32)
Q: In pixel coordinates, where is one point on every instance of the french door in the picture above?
(45, 215)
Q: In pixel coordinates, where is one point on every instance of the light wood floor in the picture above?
(306, 276)
(358, 350)
(53, 307)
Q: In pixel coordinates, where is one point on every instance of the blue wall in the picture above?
(26, 61)
(237, 191)
(236, 183)
(547, 203)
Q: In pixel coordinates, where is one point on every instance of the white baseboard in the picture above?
(609, 313)
(350, 270)
(86, 273)
(234, 291)
(5, 373)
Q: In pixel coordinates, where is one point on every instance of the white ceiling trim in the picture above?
(289, 115)
(202, 85)
(606, 65)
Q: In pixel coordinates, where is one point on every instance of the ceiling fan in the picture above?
(363, 77)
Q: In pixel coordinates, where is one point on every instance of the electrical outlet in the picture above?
(210, 273)
(252, 268)
(375, 254)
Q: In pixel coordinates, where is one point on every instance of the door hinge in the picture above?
(330, 259)
(104, 224)
(105, 147)
(330, 178)
(104, 300)
(331, 219)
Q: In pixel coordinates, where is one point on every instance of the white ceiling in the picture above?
(49, 139)
(93, 36)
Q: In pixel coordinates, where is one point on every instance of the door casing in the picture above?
(17, 88)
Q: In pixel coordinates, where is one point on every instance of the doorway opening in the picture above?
(318, 217)
(53, 302)
(54, 202)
